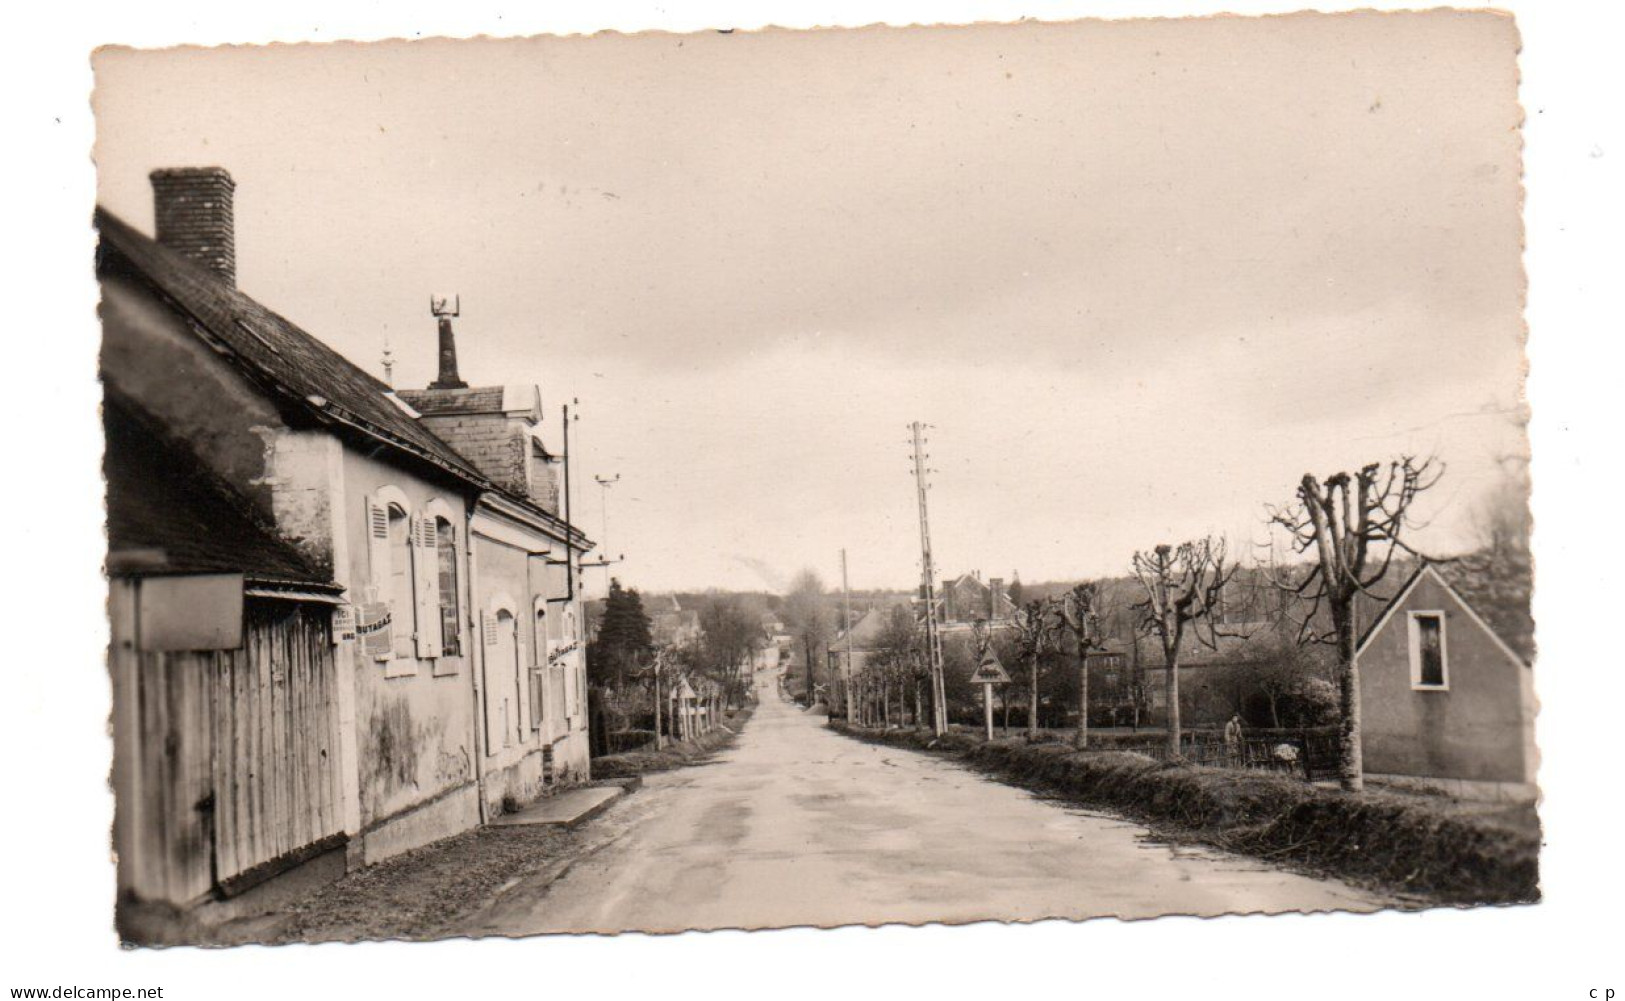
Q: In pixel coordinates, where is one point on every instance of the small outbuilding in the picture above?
(1446, 701)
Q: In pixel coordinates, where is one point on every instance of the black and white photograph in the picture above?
(573, 486)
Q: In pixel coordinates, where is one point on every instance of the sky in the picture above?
(1139, 276)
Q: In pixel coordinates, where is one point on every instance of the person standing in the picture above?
(1232, 740)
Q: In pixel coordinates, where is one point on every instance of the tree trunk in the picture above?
(660, 740)
(1350, 770)
(918, 706)
(1032, 700)
(1174, 734)
(1082, 739)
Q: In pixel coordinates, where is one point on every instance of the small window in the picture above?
(1428, 667)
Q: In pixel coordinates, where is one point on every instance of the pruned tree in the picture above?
(1084, 613)
(893, 656)
(1183, 587)
(1354, 525)
(1034, 630)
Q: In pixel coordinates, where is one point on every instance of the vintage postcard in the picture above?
(654, 482)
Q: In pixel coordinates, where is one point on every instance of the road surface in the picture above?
(798, 825)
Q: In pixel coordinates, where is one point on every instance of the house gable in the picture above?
(1404, 599)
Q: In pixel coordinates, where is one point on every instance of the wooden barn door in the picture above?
(227, 759)
(276, 739)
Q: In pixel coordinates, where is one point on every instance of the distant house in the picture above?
(671, 623)
(967, 598)
(1446, 700)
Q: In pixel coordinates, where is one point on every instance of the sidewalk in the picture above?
(419, 893)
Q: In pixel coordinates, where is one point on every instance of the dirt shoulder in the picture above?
(675, 755)
(431, 891)
(1431, 849)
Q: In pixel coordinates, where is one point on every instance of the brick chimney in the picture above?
(448, 358)
(995, 592)
(192, 209)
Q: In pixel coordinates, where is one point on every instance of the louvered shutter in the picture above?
(491, 697)
(378, 546)
(379, 635)
(426, 586)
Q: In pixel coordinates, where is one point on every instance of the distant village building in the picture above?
(312, 590)
(671, 624)
(967, 599)
(1445, 699)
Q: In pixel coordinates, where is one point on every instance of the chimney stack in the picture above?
(444, 310)
(995, 591)
(192, 207)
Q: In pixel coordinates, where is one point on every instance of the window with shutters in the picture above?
(399, 592)
(446, 565)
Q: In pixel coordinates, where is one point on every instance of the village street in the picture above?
(797, 825)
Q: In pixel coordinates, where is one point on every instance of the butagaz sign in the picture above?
(559, 652)
(372, 629)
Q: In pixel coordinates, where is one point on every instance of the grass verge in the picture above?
(1436, 848)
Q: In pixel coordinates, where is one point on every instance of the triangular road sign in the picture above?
(990, 671)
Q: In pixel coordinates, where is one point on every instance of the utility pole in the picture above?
(928, 588)
(846, 613)
(604, 483)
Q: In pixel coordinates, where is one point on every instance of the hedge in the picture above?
(1407, 844)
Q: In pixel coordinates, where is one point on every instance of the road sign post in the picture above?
(989, 673)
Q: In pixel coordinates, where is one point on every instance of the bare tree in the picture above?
(1183, 587)
(1034, 631)
(806, 615)
(1354, 524)
(1083, 611)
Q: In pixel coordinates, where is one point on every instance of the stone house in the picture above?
(378, 510)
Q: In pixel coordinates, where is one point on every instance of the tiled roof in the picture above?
(273, 351)
(447, 402)
(165, 516)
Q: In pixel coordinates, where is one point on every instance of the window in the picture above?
(446, 564)
(398, 589)
(1429, 668)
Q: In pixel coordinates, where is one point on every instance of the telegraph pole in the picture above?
(928, 588)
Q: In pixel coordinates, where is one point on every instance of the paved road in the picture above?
(797, 825)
